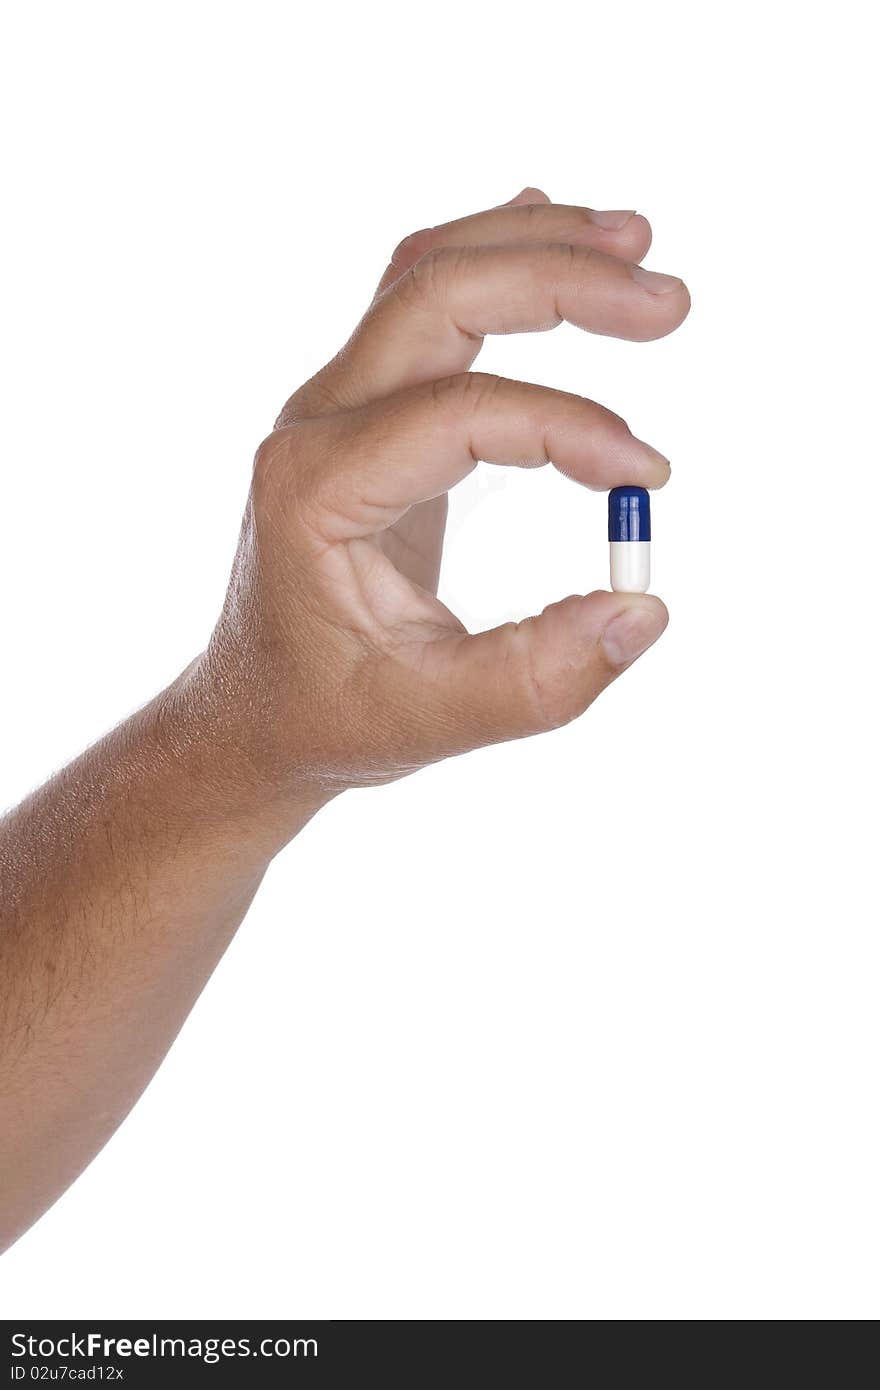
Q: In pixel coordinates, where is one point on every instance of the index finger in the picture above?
(369, 466)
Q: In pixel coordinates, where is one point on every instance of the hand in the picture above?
(333, 665)
(334, 661)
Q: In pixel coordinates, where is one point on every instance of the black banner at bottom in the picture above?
(154, 1354)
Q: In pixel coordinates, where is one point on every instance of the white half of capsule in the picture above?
(630, 566)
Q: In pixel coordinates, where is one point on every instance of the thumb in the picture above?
(524, 678)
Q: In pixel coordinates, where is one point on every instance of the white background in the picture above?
(584, 1027)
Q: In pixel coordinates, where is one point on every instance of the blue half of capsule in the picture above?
(629, 514)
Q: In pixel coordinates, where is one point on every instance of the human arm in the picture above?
(333, 665)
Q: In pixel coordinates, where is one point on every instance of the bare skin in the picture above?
(333, 664)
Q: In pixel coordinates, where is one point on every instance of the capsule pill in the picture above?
(629, 534)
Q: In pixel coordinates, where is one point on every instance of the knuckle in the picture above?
(612, 436)
(429, 276)
(614, 427)
(320, 395)
(277, 466)
(466, 391)
(266, 462)
(412, 247)
(563, 257)
(548, 695)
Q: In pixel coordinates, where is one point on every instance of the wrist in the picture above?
(222, 743)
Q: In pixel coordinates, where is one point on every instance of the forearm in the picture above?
(124, 879)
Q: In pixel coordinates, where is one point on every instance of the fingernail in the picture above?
(631, 633)
(610, 221)
(653, 281)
